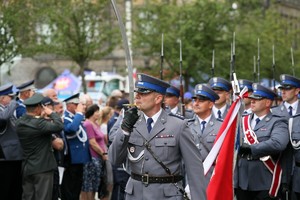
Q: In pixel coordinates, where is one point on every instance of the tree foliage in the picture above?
(8, 47)
(204, 25)
(79, 30)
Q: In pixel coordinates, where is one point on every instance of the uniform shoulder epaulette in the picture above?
(191, 120)
(276, 115)
(176, 115)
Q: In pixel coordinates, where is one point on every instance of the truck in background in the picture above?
(100, 86)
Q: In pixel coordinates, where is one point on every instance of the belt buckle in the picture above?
(147, 179)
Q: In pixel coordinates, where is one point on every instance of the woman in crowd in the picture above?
(92, 170)
(106, 114)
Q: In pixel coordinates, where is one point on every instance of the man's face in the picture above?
(202, 107)
(5, 100)
(247, 101)
(146, 102)
(52, 95)
(224, 95)
(171, 101)
(259, 106)
(28, 93)
(290, 95)
(59, 109)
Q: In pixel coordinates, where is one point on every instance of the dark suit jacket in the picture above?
(35, 137)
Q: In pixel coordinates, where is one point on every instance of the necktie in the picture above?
(291, 111)
(219, 114)
(257, 120)
(149, 122)
(203, 126)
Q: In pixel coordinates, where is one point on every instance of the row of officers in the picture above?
(160, 149)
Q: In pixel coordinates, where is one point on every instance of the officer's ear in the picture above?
(297, 91)
(269, 103)
(158, 98)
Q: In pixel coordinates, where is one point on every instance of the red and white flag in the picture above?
(222, 153)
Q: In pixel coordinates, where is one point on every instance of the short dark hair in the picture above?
(91, 110)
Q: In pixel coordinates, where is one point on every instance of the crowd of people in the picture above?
(74, 148)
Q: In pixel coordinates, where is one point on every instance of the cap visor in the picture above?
(201, 97)
(143, 90)
(255, 97)
(286, 86)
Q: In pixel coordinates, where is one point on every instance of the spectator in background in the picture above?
(105, 115)
(116, 93)
(26, 90)
(51, 93)
(88, 100)
(92, 170)
(35, 132)
(112, 101)
(10, 147)
(117, 109)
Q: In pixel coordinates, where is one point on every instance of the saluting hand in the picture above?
(47, 110)
(80, 108)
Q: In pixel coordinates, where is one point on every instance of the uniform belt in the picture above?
(247, 156)
(146, 179)
(297, 164)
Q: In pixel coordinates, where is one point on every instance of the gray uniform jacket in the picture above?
(171, 141)
(271, 132)
(204, 141)
(291, 155)
(9, 140)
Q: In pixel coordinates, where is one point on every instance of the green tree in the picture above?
(8, 47)
(202, 26)
(79, 30)
(205, 25)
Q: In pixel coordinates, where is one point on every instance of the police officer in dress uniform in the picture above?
(204, 125)
(172, 103)
(78, 148)
(10, 147)
(223, 88)
(254, 179)
(290, 87)
(247, 101)
(35, 134)
(26, 90)
(172, 100)
(155, 143)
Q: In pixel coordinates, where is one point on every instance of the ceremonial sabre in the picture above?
(292, 56)
(128, 57)
(273, 70)
(181, 81)
(213, 64)
(258, 61)
(162, 57)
